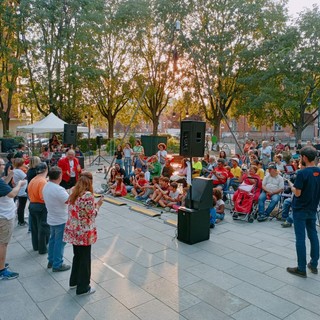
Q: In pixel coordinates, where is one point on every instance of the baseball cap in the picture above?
(235, 159)
(272, 165)
(41, 167)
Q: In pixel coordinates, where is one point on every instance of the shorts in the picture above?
(6, 229)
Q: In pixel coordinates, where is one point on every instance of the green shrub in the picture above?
(173, 145)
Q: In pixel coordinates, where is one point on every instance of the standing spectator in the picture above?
(265, 153)
(138, 150)
(279, 147)
(9, 165)
(55, 198)
(272, 187)
(20, 151)
(54, 142)
(81, 232)
(298, 146)
(19, 174)
(162, 153)
(31, 173)
(287, 154)
(7, 215)
(127, 151)
(40, 230)
(70, 169)
(118, 156)
(78, 152)
(306, 190)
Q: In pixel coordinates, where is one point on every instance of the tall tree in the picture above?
(289, 85)
(10, 58)
(58, 42)
(222, 42)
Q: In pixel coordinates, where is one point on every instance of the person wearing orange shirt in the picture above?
(40, 230)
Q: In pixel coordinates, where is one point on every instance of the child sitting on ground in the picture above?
(119, 189)
(159, 192)
(213, 212)
(138, 182)
(148, 189)
(168, 200)
(217, 193)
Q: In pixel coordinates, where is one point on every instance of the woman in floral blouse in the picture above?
(80, 230)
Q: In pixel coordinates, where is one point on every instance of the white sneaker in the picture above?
(90, 291)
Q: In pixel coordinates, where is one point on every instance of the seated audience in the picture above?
(172, 198)
(167, 170)
(119, 189)
(138, 182)
(219, 175)
(272, 187)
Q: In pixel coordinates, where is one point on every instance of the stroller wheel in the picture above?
(250, 219)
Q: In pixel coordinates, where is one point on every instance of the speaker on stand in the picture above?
(99, 157)
(194, 219)
(70, 134)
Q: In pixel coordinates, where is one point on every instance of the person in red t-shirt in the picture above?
(219, 175)
(138, 183)
(120, 189)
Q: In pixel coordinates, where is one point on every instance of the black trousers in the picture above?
(81, 268)
(21, 207)
(68, 185)
(40, 230)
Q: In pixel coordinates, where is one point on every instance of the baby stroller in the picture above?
(245, 206)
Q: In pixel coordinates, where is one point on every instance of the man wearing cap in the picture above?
(40, 229)
(272, 187)
(219, 175)
(55, 198)
(70, 169)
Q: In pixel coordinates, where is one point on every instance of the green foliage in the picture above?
(173, 145)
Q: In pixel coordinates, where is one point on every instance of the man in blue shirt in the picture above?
(306, 190)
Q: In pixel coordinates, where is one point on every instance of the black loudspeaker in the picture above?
(200, 194)
(150, 144)
(70, 134)
(99, 141)
(192, 138)
(81, 161)
(193, 225)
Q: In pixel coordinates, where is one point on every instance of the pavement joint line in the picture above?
(114, 270)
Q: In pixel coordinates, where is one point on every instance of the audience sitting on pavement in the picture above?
(159, 191)
(170, 199)
(196, 167)
(218, 215)
(119, 171)
(119, 188)
(180, 176)
(112, 177)
(219, 175)
(138, 183)
(148, 189)
(154, 167)
(168, 169)
(272, 187)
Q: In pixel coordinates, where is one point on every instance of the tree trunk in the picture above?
(155, 123)
(5, 125)
(298, 132)
(110, 126)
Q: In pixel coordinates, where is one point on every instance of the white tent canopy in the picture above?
(51, 123)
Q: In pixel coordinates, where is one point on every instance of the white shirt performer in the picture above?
(55, 198)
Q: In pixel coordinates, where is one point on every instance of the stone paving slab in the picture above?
(141, 271)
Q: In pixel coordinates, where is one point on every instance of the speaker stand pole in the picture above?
(191, 204)
(98, 157)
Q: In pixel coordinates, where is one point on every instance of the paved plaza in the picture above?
(141, 271)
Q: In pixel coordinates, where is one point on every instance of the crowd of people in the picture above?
(62, 209)
(62, 206)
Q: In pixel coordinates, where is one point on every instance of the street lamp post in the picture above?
(89, 119)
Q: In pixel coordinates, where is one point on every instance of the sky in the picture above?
(298, 5)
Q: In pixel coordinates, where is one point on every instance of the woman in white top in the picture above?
(127, 151)
(162, 153)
